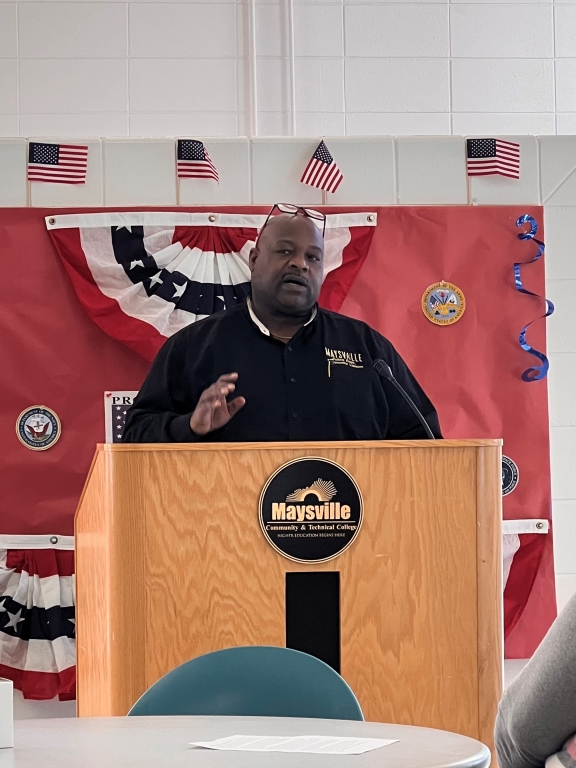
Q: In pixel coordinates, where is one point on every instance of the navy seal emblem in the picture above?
(443, 303)
(38, 428)
(510, 475)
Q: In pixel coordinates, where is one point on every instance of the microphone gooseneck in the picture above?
(383, 369)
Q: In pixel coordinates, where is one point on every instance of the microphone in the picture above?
(383, 369)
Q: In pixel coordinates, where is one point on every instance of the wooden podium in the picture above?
(171, 563)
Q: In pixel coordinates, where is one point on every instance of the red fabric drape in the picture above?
(56, 356)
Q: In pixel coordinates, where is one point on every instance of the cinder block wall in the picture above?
(361, 67)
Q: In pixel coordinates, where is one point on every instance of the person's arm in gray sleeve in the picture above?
(537, 713)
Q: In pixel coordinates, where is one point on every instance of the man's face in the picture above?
(287, 265)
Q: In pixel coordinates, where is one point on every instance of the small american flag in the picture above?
(493, 156)
(62, 163)
(322, 171)
(194, 161)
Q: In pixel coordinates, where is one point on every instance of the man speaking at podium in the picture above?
(278, 367)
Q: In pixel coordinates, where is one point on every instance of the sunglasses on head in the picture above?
(295, 210)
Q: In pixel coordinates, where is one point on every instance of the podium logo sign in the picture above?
(311, 510)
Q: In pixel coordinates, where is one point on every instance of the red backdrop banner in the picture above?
(472, 369)
(54, 355)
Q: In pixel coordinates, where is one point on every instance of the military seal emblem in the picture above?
(510, 475)
(38, 428)
(443, 303)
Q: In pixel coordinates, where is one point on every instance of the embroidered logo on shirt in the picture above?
(339, 357)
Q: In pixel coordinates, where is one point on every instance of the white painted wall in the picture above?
(362, 67)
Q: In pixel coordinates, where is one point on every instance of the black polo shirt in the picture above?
(319, 386)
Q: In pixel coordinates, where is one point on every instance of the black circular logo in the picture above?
(510, 475)
(310, 510)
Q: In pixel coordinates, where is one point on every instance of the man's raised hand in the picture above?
(213, 410)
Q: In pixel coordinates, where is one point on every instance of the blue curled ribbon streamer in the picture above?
(536, 372)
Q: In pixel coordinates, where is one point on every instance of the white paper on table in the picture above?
(314, 745)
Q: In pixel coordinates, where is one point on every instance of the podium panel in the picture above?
(172, 563)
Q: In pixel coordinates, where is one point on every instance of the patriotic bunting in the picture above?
(37, 618)
(143, 276)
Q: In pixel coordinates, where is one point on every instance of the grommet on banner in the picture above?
(53, 539)
(539, 526)
(212, 217)
(370, 217)
(52, 221)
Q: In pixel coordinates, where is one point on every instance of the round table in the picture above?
(163, 742)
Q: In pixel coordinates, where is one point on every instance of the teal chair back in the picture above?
(252, 680)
